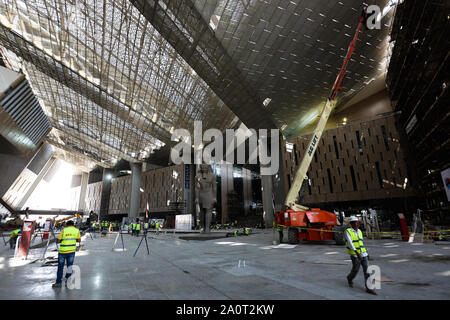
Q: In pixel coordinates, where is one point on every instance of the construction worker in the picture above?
(157, 227)
(280, 232)
(138, 228)
(358, 253)
(67, 240)
(133, 229)
(13, 237)
(246, 231)
(146, 227)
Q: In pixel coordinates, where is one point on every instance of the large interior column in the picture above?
(105, 192)
(135, 195)
(247, 186)
(266, 185)
(226, 173)
(84, 183)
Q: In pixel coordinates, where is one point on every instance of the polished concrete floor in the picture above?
(230, 268)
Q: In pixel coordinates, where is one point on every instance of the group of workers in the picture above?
(133, 227)
(110, 226)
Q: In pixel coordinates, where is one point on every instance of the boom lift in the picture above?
(303, 222)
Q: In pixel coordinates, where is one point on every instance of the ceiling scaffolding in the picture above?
(111, 85)
(117, 77)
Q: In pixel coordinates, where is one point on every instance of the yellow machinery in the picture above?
(57, 222)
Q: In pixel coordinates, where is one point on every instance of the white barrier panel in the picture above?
(183, 222)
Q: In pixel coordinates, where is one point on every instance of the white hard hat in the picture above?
(353, 219)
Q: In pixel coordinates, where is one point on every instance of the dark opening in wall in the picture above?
(385, 138)
(358, 141)
(368, 131)
(289, 180)
(315, 157)
(352, 173)
(380, 179)
(329, 180)
(336, 147)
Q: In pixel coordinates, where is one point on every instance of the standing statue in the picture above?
(205, 195)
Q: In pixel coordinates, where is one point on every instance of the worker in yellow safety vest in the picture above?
(13, 237)
(280, 232)
(138, 228)
(358, 253)
(67, 241)
(157, 227)
(145, 227)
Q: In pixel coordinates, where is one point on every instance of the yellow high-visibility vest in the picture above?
(138, 226)
(14, 233)
(68, 237)
(357, 242)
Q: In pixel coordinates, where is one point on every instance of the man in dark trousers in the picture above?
(67, 240)
(358, 253)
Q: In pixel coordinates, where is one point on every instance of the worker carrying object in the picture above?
(358, 253)
(13, 237)
(67, 240)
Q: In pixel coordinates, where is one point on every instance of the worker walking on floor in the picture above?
(13, 237)
(138, 228)
(280, 232)
(358, 253)
(145, 227)
(67, 240)
(133, 229)
(157, 227)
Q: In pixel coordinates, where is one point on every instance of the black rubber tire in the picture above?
(293, 236)
(339, 235)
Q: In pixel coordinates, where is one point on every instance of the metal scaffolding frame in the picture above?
(117, 77)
